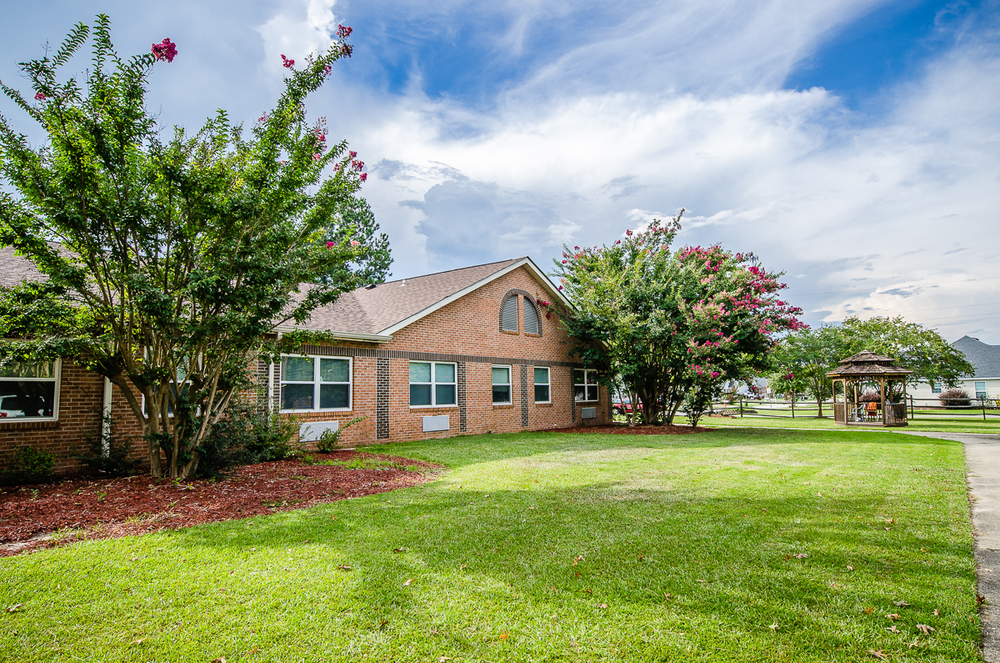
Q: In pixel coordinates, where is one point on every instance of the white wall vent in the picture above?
(437, 423)
(311, 431)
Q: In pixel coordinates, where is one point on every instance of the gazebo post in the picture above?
(881, 386)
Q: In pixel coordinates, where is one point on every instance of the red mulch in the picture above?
(639, 429)
(103, 508)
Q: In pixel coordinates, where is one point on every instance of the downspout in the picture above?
(106, 419)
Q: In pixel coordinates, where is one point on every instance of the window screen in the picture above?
(508, 320)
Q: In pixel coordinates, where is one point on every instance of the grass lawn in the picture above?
(935, 422)
(736, 545)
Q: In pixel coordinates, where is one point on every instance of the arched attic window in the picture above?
(508, 314)
(532, 323)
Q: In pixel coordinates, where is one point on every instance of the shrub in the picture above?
(954, 397)
(696, 403)
(329, 440)
(27, 465)
(250, 433)
(107, 454)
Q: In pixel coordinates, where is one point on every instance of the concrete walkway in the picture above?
(982, 462)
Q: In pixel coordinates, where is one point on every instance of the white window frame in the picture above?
(547, 383)
(56, 377)
(509, 384)
(586, 385)
(936, 387)
(433, 384)
(985, 393)
(316, 382)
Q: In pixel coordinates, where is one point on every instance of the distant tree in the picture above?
(168, 260)
(922, 350)
(669, 324)
(802, 360)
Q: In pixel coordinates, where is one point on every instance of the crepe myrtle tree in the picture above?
(671, 323)
(166, 261)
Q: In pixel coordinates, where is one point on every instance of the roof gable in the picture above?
(388, 307)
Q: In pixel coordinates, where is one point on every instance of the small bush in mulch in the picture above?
(26, 465)
(57, 513)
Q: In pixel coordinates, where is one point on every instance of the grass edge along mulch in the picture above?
(74, 509)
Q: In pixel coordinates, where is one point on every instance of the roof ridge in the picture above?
(456, 269)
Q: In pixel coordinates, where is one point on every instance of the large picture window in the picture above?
(29, 391)
(501, 385)
(543, 388)
(315, 383)
(432, 384)
(585, 386)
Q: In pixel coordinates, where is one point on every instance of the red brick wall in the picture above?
(468, 327)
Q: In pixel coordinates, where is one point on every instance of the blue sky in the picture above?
(852, 144)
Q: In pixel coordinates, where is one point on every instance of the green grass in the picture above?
(935, 423)
(735, 545)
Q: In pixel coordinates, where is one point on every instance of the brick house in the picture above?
(465, 351)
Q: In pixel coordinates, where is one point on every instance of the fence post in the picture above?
(741, 407)
(982, 401)
(793, 407)
(911, 407)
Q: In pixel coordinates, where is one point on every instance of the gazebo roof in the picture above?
(868, 364)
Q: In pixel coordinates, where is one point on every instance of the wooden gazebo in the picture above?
(855, 376)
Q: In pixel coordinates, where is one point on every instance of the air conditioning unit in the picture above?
(436, 423)
(588, 412)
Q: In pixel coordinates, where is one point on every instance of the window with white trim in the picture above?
(543, 386)
(935, 387)
(433, 384)
(501, 385)
(29, 390)
(315, 383)
(981, 390)
(585, 385)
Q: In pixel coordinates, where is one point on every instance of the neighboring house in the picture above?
(983, 383)
(465, 351)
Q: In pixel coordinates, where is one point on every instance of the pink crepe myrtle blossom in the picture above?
(165, 50)
(336, 167)
(286, 63)
(39, 96)
(344, 31)
(330, 245)
(327, 69)
(346, 50)
(262, 118)
(352, 154)
(355, 242)
(317, 156)
(364, 176)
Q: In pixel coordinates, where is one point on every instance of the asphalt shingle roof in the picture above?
(985, 358)
(15, 270)
(374, 309)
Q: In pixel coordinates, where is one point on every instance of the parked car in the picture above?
(13, 405)
(625, 406)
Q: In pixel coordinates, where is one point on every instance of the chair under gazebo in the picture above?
(855, 381)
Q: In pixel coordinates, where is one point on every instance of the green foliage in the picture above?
(697, 401)
(27, 465)
(250, 433)
(167, 255)
(329, 439)
(802, 360)
(665, 323)
(921, 350)
(106, 453)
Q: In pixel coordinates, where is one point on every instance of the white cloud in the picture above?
(297, 31)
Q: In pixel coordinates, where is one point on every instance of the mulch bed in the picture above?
(624, 429)
(48, 515)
